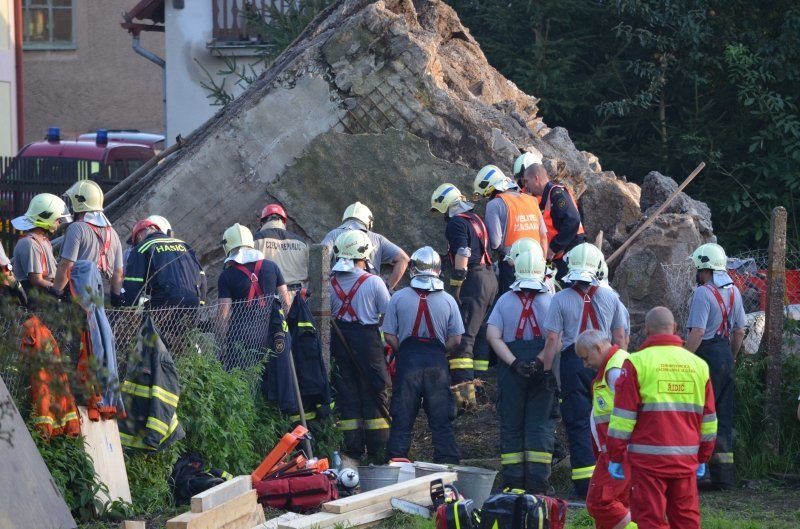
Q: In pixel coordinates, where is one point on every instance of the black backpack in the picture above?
(522, 511)
(190, 476)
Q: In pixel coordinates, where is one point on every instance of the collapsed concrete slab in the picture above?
(377, 101)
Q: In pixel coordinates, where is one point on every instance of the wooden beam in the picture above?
(216, 496)
(230, 511)
(131, 524)
(272, 523)
(385, 494)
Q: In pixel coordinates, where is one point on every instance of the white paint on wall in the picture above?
(8, 81)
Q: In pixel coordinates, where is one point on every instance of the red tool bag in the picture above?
(297, 493)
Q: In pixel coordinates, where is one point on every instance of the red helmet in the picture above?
(273, 209)
(140, 227)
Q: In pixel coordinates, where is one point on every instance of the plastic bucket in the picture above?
(473, 483)
(374, 477)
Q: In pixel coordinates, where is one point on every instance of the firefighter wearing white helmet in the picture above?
(510, 216)
(472, 284)
(242, 299)
(716, 329)
(33, 263)
(583, 305)
(358, 216)
(360, 375)
(526, 244)
(423, 325)
(558, 206)
(162, 223)
(526, 392)
(92, 238)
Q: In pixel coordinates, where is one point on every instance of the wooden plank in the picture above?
(272, 523)
(131, 524)
(373, 512)
(248, 521)
(28, 495)
(216, 496)
(105, 449)
(230, 511)
(384, 494)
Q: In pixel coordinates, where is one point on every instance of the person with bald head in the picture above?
(664, 424)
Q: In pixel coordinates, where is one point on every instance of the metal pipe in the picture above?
(152, 57)
(18, 37)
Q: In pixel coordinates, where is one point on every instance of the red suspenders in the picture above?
(527, 316)
(45, 271)
(255, 287)
(347, 299)
(480, 231)
(423, 311)
(588, 308)
(724, 327)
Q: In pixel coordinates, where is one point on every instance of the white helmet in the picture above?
(359, 212)
(163, 224)
(352, 244)
(491, 179)
(602, 274)
(425, 266)
(710, 256)
(85, 195)
(445, 196)
(584, 262)
(529, 269)
(45, 210)
(524, 161)
(525, 244)
(235, 237)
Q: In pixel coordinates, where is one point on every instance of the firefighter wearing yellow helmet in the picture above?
(358, 216)
(716, 330)
(472, 283)
(510, 216)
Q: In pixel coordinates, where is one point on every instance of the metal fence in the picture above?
(231, 19)
(238, 340)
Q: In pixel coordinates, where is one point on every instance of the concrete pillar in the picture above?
(319, 272)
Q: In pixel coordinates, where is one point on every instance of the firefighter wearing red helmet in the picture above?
(283, 247)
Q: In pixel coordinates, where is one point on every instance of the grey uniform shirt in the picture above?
(704, 310)
(626, 316)
(566, 309)
(81, 242)
(508, 309)
(27, 259)
(370, 301)
(402, 313)
(383, 250)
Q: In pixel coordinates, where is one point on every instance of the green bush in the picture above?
(149, 478)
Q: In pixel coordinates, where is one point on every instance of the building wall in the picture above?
(8, 88)
(102, 83)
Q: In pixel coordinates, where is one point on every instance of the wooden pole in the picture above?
(773, 325)
(646, 224)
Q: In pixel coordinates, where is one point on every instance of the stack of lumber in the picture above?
(368, 507)
(229, 505)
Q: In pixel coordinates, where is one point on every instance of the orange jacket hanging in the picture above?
(55, 412)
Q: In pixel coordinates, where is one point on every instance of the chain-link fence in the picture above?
(749, 273)
(237, 334)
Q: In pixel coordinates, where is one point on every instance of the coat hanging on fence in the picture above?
(55, 412)
(97, 362)
(312, 376)
(151, 391)
(276, 384)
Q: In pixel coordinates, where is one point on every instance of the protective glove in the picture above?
(550, 382)
(615, 470)
(116, 300)
(59, 294)
(536, 367)
(701, 470)
(521, 368)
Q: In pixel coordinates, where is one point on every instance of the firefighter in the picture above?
(360, 376)
(716, 329)
(473, 283)
(244, 285)
(526, 392)
(357, 216)
(664, 423)
(558, 206)
(166, 228)
(608, 499)
(92, 238)
(510, 215)
(584, 305)
(423, 325)
(285, 248)
(33, 263)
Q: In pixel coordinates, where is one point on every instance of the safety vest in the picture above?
(548, 219)
(347, 299)
(665, 430)
(523, 217)
(603, 396)
(724, 328)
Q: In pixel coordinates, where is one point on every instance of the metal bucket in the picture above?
(374, 477)
(473, 483)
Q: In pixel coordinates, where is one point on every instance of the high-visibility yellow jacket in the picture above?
(603, 397)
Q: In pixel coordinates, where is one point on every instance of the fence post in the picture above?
(773, 325)
(319, 271)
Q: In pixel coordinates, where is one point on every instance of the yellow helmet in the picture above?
(525, 244)
(85, 195)
(710, 256)
(530, 265)
(491, 179)
(352, 244)
(44, 211)
(359, 212)
(235, 237)
(524, 161)
(444, 196)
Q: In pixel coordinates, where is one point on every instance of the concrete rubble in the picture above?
(381, 101)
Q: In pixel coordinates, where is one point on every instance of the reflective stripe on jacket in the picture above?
(603, 396)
